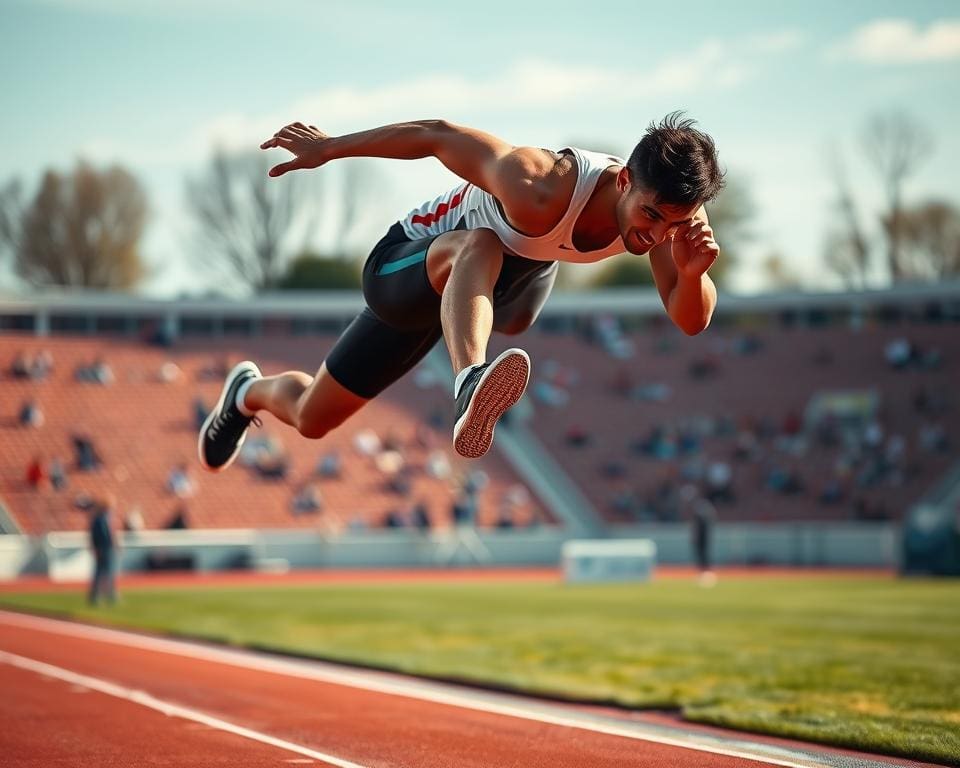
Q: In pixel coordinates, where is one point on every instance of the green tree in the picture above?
(623, 270)
(312, 272)
(81, 229)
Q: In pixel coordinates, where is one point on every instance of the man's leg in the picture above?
(463, 268)
(313, 405)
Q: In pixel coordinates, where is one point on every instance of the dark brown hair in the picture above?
(677, 162)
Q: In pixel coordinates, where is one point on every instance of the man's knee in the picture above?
(463, 249)
(517, 324)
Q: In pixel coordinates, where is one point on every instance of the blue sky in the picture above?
(155, 85)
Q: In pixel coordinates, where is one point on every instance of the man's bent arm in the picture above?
(691, 303)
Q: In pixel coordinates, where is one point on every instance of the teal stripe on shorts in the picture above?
(406, 261)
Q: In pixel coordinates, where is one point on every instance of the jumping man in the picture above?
(483, 257)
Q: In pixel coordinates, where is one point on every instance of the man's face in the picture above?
(643, 222)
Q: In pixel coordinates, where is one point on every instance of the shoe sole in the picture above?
(500, 387)
(239, 368)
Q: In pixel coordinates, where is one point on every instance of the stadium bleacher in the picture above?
(143, 427)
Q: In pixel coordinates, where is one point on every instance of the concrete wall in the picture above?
(65, 556)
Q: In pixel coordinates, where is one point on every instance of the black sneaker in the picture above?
(224, 430)
(486, 393)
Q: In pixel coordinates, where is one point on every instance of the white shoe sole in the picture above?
(246, 365)
(500, 387)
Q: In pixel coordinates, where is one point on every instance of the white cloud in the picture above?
(527, 84)
(898, 40)
(776, 42)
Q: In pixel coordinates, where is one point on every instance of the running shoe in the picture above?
(485, 395)
(225, 428)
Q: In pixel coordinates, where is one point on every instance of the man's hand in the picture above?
(694, 249)
(306, 142)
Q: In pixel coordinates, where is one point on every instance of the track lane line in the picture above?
(438, 693)
(167, 708)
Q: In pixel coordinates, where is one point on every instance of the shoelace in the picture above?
(222, 420)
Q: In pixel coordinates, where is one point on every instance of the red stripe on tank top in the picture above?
(442, 210)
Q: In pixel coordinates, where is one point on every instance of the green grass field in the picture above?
(869, 663)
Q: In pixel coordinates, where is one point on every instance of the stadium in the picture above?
(498, 385)
(825, 457)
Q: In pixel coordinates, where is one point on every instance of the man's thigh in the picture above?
(518, 310)
(370, 355)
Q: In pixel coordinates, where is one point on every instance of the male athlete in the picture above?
(483, 257)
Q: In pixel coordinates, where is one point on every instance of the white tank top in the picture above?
(469, 207)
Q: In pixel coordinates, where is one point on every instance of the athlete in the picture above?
(483, 257)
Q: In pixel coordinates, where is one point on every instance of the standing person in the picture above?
(703, 515)
(483, 257)
(103, 583)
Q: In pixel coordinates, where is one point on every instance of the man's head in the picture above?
(670, 174)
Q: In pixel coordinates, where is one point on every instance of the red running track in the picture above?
(89, 696)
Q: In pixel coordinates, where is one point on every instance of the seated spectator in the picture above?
(272, 465)
(58, 474)
(307, 500)
(36, 475)
(87, 457)
(42, 365)
(577, 436)
(31, 415)
(169, 373)
(102, 373)
(179, 482)
(899, 353)
(394, 519)
(438, 465)
(133, 521)
(329, 465)
(20, 367)
(401, 483)
(420, 516)
(367, 442)
(179, 521)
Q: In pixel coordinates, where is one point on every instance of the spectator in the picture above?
(272, 465)
(36, 475)
(133, 522)
(180, 520)
(170, 373)
(420, 516)
(703, 515)
(179, 482)
(31, 415)
(58, 474)
(307, 500)
(438, 465)
(102, 543)
(42, 365)
(87, 457)
(20, 366)
(101, 372)
(329, 465)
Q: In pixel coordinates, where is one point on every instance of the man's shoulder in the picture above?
(540, 190)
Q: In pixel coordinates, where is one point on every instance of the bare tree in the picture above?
(847, 251)
(895, 144)
(82, 229)
(931, 241)
(243, 217)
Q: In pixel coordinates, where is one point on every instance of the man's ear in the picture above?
(623, 180)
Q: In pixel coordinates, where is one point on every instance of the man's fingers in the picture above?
(279, 170)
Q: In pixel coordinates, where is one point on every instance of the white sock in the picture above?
(461, 376)
(241, 394)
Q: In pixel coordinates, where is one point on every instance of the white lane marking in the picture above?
(420, 690)
(171, 710)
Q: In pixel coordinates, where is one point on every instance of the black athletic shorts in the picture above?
(401, 321)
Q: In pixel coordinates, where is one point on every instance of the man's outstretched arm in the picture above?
(506, 172)
(680, 267)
